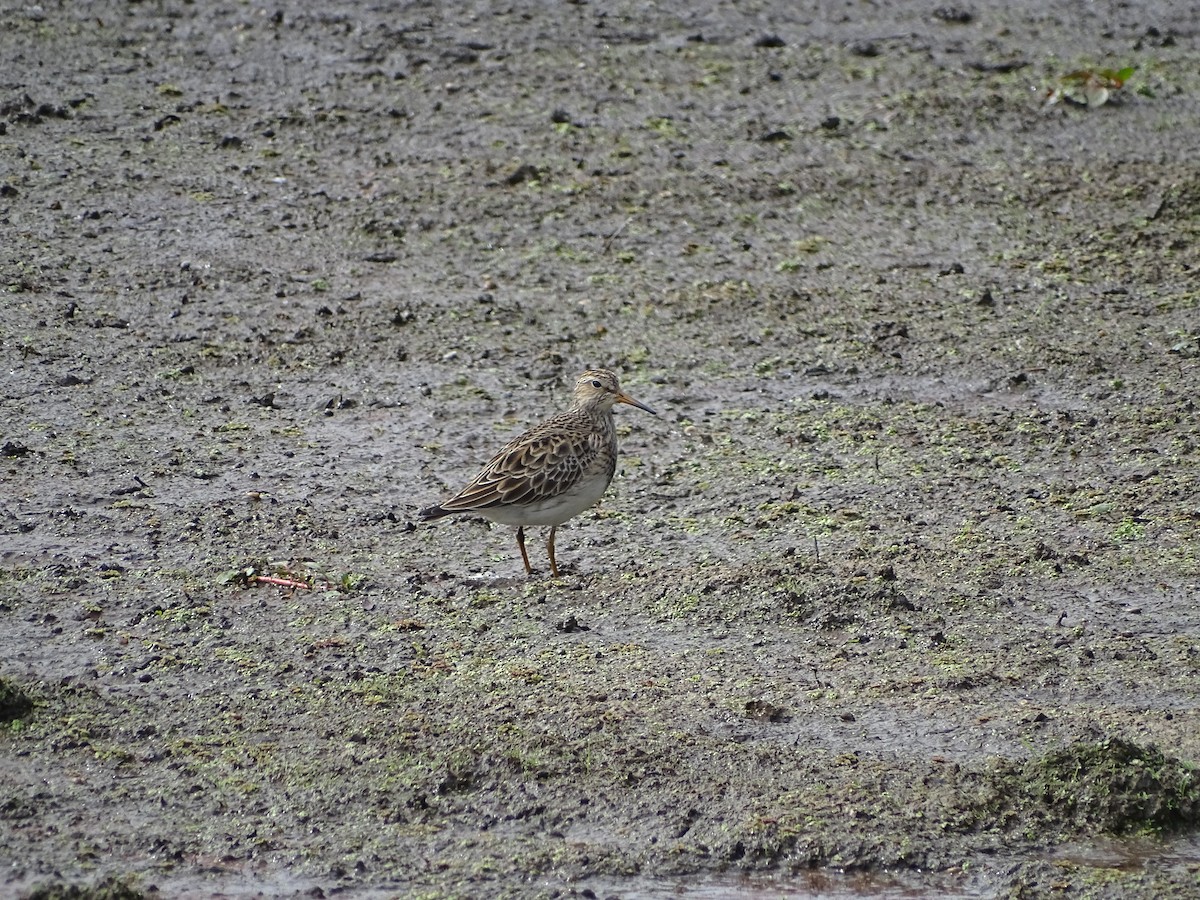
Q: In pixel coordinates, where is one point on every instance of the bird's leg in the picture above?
(550, 550)
(521, 545)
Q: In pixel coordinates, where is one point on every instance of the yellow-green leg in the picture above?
(521, 545)
(550, 550)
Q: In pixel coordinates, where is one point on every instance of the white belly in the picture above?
(554, 510)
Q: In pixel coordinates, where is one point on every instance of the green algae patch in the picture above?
(14, 702)
(1111, 787)
(111, 888)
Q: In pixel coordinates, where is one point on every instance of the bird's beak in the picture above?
(625, 398)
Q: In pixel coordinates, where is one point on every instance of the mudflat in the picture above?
(898, 592)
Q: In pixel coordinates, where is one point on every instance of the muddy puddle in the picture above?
(809, 886)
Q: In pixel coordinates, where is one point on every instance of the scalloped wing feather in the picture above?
(540, 464)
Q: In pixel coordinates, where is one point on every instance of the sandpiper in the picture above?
(552, 472)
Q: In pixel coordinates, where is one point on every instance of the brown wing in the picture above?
(541, 463)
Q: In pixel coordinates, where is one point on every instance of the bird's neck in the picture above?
(591, 410)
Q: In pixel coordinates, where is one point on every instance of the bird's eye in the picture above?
(596, 384)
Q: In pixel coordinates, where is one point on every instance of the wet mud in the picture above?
(897, 593)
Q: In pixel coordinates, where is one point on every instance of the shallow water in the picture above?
(806, 886)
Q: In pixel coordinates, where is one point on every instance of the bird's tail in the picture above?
(432, 512)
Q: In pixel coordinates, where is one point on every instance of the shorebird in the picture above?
(553, 471)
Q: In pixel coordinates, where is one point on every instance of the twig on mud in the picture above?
(276, 580)
(608, 241)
